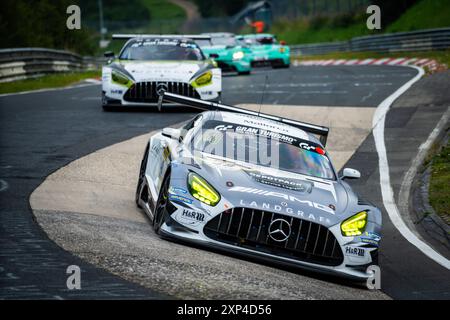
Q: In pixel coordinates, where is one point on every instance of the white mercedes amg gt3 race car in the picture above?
(257, 185)
(149, 65)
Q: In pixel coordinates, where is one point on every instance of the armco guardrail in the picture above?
(23, 63)
(422, 40)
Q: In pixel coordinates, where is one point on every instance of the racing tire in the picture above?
(106, 107)
(375, 259)
(142, 169)
(281, 66)
(161, 205)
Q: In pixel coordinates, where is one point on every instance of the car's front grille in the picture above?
(249, 228)
(148, 91)
(266, 63)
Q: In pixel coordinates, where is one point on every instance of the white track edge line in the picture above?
(385, 184)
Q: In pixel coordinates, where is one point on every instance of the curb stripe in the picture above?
(396, 61)
(432, 65)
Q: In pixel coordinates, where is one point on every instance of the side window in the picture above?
(187, 128)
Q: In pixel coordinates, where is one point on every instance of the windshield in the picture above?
(224, 41)
(260, 40)
(161, 50)
(218, 41)
(262, 147)
(203, 43)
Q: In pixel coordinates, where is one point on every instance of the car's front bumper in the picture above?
(270, 60)
(234, 65)
(352, 267)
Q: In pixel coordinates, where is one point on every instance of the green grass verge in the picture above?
(47, 81)
(439, 190)
(440, 56)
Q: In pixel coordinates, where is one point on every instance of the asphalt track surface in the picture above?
(41, 132)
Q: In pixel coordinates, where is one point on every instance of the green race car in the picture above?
(266, 50)
(227, 52)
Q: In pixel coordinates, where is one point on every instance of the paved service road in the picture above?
(41, 132)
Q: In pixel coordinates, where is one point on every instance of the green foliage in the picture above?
(209, 8)
(114, 10)
(163, 9)
(411, 14)
(426, 14)
(41, 23)
(392, 10)
(321, 28)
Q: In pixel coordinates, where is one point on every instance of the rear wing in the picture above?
(320, 131)
(162, 36)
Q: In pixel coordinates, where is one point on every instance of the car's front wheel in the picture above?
(141, 177)
(281, 66)
(161, 205)
(105, 105)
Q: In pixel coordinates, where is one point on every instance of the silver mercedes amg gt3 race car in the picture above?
(148, 65)
(257, 185)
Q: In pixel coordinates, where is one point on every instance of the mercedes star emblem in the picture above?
(279, 230)
(161, 88)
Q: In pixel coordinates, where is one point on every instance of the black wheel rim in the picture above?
(161, 205)
(141, 175)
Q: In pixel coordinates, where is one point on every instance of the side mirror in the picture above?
(282, 42)
(109, 54)
(213, 55)
(172, 133)
(349, 173)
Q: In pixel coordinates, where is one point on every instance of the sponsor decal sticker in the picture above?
(371, 238)
(309, 147)
(176, 197)
(223, 127)
(355, 251)
(285, 183)
(192, 216)
(287, 210)
(285, 197)
(177, 190)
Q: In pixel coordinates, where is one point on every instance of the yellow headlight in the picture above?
(202, 190)
(121, 79)
(282, 49)
(355, 225)
(203, 80)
